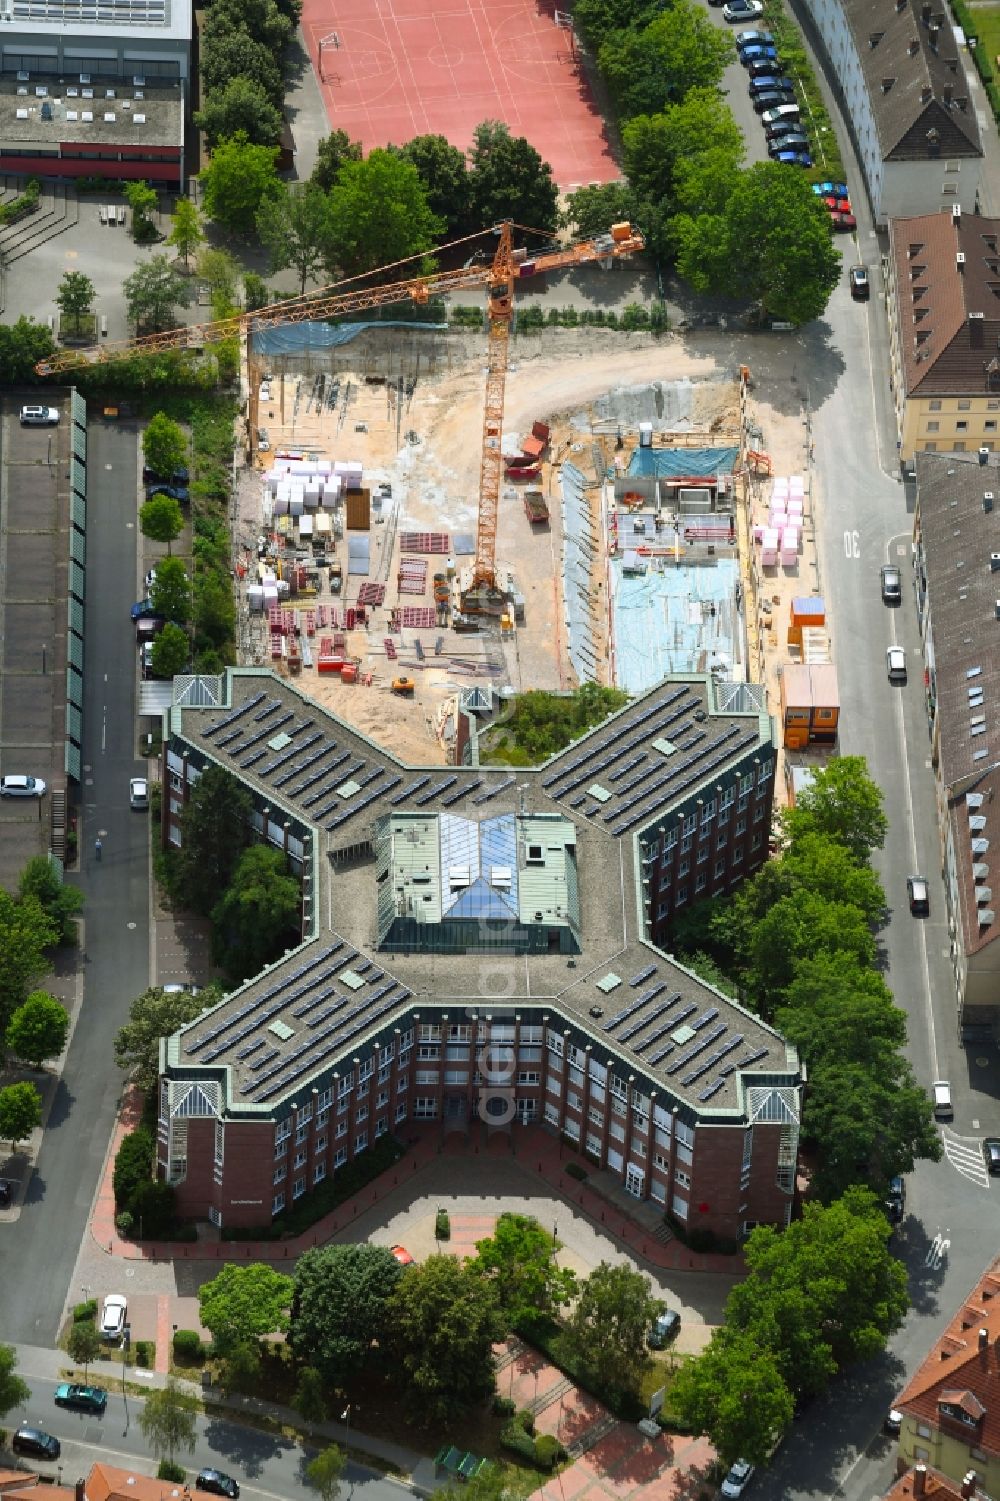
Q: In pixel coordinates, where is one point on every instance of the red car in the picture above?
(402, 1255)
(843, 222)
(838, 205)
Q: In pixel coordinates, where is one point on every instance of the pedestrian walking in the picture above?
(98, 847)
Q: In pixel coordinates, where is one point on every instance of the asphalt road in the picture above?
(264, 1464)
(38, 1250)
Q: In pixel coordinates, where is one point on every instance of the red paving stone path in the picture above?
(407, 67)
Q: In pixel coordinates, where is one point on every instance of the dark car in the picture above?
(142, 609)
(843, 223)
(179, 477)
(893, 1422)
(217, 1482)
(765, 66)
(176, 492)
(895, 1202)
(919, 894)
(793, 158)
(794, 141)
(892, 584)
(756, 54)
(779, 128)
(770, 100)
(859, 284)
(83, 1398)
(6, 1193)
(663, 1329)
(35, 1442)
(991, 1155)
(769, 81)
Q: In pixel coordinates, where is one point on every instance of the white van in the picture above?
(941, 1091)
(780, 112)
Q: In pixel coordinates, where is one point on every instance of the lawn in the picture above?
(987, 23)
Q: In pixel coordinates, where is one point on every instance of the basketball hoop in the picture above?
(564, 21)
(331, 41)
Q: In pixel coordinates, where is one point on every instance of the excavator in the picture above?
(508, 267)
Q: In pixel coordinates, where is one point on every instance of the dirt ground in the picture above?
(429, 452)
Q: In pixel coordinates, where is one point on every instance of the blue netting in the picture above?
(295, 338)
(673, 462)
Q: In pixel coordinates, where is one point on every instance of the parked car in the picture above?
(758, 53)
(17, 786)
(794, 141)
(781, 112)
(753, 37)
(82, 1398)
(779, 128)
(769, 81)
(792, 158)
(742, 10)
(736, 1482)
(892, 584)
(39, 416)
(843, 223)
(837, 205)
(35, 1442)
(149, 580)
(179, 477)
(664, 1329)
(941, 1095)
(919, 895)
(893, 1422)
(217, 1482)
(6, 1193)
(823, 189)
(769, 100)
(138, 792)
(113, 1316)
(176, 492)
(142, 609)
(895, 664)
(186, 988)
(765, 66)
(991, 1155)
(859, 284)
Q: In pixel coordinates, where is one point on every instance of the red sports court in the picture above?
(393, 69)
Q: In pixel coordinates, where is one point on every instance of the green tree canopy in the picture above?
(22, 345)
(236, 54)
(240, 105)
(214, 612)
(257, 917)
(75, 297)
(735, 1393)
(164, 446)
(237, 180)
(161, 519)
(20, 1112)
(167, 1419)
(609, 1322)
(26, 931)
(152, 1015)
(13, 1391)
(445, 177)
(679, 50)
(815, 862)
(40, 880)
(519, 1261)
(143, 201)
(844, 803)
(509, 180)
(310, 1395)
(296, 229)
(379, 214)
(84, 1343)
(797, 926)
(38, 1028)
(171, 651)
(171, 591)
(834, 1009)
(593, 210)
(656, 145)
(868, 1124)
(443, 1321)
(341, 1307)
(264, 20)
(325, 1471)
(704, 182)
(153, 293)
(222, 273)
(331, 154)
(185, 229)
(243, 1303)
(216, 827)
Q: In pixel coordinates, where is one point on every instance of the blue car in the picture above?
(176, 492)
(830, 189)
(757, 54)
(142, 609)
(794, 158)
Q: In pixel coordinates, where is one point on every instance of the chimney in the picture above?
(969, 1483)
(81, 1490)
(925, 12)
(919, 1479)
(926, 94)
(960, 260)
(932, 35)
(914, 47)
(984, 1341)
(947, 93)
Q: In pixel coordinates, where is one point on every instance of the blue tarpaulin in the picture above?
(294, 338)
(669, 463)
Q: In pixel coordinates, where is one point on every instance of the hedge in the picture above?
(85, 1311)
(133, 1165)
(188, 1345)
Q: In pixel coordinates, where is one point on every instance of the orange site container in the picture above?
(805, 612)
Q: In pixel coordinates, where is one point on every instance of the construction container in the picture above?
(526, 268)
(359, 511)
(805, 612)
(810, 706)
(645, 435)
(349, 672)
(622, 231)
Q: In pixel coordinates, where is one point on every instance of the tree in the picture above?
(379, 214)
(171, 591)
(834, 1010)
(240, 105)
(817, 863)
(443, 1322)
(164, 446)
(261, 19)
(519, 1261)
(84, 1344)
(608, 1325)
(13, 1391)
(704, 183)
(325, 1470)
(236, 55)
(20, 1113)
(143, 201)
(26, 931)
(445, 176)
(734, 1392)
(216, 827)
(488, 1484)
(679, 50)
(844, 803)
(214, 611)
(593, 210)
(243, 1303)
(222, 273)
(38, 1029)
(185, 230)
(341, 1307)
(40, 880)
(152, 293)
(656, 145)
(310, 1396)
(22, 345)
(75, 297)
(868, 1124)
(155, 1014)
(509, 180)
(237, 180)
(797, 926)
(161, 519)
(241, 1368)
(296, 230)
(167, 1420)
(171, 651)
(259, 914)
(331, 154)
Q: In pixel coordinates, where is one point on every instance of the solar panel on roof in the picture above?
(325, 1014)
(236, 714)
(363, 967)
(711, 1089)
(659, 1056)
(463, 791)
(697, 1048)
(434, 791)
(409, 791)
(272, 708)
(642, 976)
(265, 1058)
(252, 759)
(233, 735)
(752, 1058)
(630, 765)
(703, 1020)
(251, 1047)
(288, 755)
(491, 792)
(373, 978)
(576, 801)
(314, 1000)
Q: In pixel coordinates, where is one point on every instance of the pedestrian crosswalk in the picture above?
(965, 1153)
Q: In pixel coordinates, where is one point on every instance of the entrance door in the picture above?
(634, 1178)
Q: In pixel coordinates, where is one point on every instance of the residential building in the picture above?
(957, 577)
(103, 1483)
(923, 1482)
(50, 127)
(951, 1405)
(943, 284)
(906, 101)
(480, 950)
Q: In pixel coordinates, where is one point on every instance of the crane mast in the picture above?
(499, 312)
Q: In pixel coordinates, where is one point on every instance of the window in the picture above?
(362, 1091)
(930, 448)
(681, 897)
(593, 1145)
(683, 867)
(596, 1117)
(305, 1114)
(961, 427)
(298, 1188)
(923, 1431)
(401, 1112)
(383, 1099)
(427, 1075)
(424, 1109)
(300, 1158)
(573, 1099)
(690, 821)
(429, 1054)
(402, 1085)
(638, 1147)
(340, 1158)
(529, 1076)
(325, 1100)
(361, 1142)
(362, 1114)
(277, 1203)
(321, 1119)
(280, 1173)
(965, 406)
(381, 1126)
(703, 853)
(301, 1133)
(617, 1130)
(319, 1172)
(341, 1129)
(682, 1179)
(680, 1207)
(933, 427)
(990, 425)
(719, 869)
(737, 856)
(320, 1144)
(700, 883)
(741, 827)
(220, 1142)
(660, 1161)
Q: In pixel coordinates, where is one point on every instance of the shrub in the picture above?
(504, 1407)
(84, 1311)
(123, 1222)
(188, 1346)
(530, 319)
(152, 1205)
(169, 1469)
(610, 319)
(574, 1170)
(548, 1451)
(513, 1437)
(635, 316)
(442, 1225)
(145, 1352)
(526, 1419)
(133, 1165)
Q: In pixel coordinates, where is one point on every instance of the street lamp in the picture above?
(345, 1417)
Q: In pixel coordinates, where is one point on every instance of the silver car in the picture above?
(39, 416)
(22, 787)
